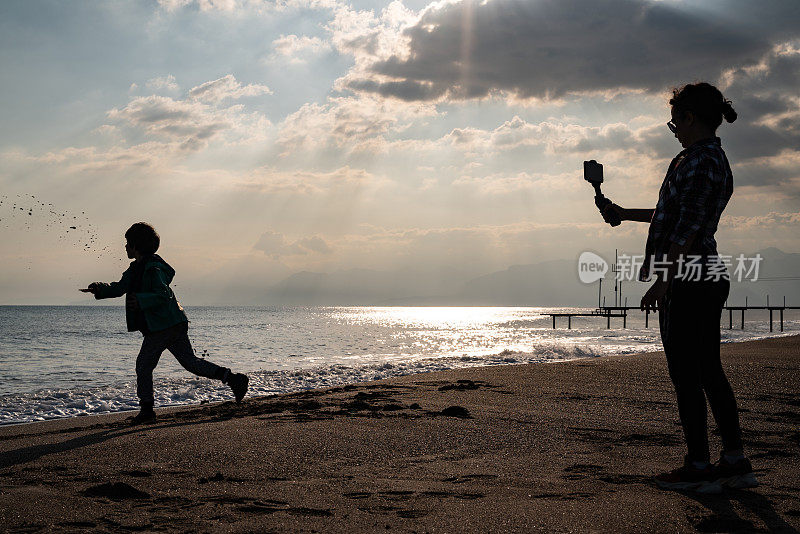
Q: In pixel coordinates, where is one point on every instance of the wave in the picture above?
(121, 396)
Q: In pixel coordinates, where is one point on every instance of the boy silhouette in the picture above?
(152, 309)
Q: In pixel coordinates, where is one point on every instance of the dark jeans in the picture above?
(176, 340)
(690, 334)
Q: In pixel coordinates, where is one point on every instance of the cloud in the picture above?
(481, 248)
(198, 119)
(781, 171)
(368, 35)
(165, 82)
(555, 136)
(191, 122)
(301, 182)
(106, 130)
(551, 48)
(315, 244)
(146, 155)
(224, 88)
(206, 5)
(766, 99)
(298, 49)
(347, 121)
(276, 245)
(769, 220)
(153, 131)
(502, 184)
(251, 5)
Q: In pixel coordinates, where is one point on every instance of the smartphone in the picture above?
(593, 172)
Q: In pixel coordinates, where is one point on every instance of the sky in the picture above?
(266, 138)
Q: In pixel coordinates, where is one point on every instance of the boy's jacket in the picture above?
(156, 300)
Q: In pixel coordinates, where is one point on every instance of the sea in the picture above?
(65, 361)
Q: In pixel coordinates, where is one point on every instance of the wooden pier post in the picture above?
(646, 317)
(624, 319)
(554, 322)
(781, 319)
(730, 319)
(569, 322)
(742, 318)
(608, 322)
(770, 319)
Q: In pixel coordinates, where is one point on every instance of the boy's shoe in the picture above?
(238, 383)
(735, 475)
(689, 477)
(145, 416)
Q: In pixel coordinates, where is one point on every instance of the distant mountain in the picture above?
(552, 283)
(775, 268)
(366, 287)
(549, 283)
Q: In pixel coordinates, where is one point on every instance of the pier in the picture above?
(608, 313)
(619, 310)
(622, 311)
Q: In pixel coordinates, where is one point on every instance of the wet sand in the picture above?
(566, 447)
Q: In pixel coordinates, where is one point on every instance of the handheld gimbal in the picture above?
(593, 173)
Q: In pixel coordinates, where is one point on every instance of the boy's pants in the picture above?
(689, 323)
(176, 340)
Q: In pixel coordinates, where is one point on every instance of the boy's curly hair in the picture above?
(143, 237)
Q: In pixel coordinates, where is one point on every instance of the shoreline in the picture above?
(358, 380)
(352, 380)
(520, 447)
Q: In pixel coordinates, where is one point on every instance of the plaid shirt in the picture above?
(695, 190)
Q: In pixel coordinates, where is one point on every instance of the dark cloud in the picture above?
(549, 48)
(407, 90)
(769, 111)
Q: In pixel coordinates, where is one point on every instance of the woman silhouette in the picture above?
(692, 286)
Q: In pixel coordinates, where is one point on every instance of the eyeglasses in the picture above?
(671, 126)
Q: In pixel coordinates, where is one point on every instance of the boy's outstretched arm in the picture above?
(102, 290)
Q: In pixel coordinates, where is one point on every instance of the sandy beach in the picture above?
(565, 447)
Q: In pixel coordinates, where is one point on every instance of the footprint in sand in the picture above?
(218, 477)
(469, 478)
(116, 491)
(455, 411)
(572, 496)
(396, 495)
(626, 479)
(357, 495)
(580, 471)
(412, 514)
(461, 385)
(136, 473)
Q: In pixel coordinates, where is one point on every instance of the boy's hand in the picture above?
(92, 288)
(131, 302)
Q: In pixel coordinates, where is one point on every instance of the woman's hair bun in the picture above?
(706, 103)
(728, 112)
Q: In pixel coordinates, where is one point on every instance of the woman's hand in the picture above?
(613, 209)
(654, 298)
